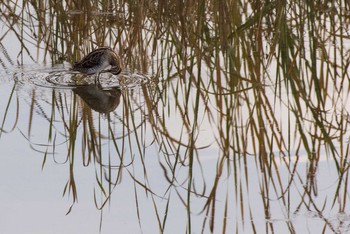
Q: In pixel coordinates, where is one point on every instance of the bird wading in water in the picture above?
(103, 59)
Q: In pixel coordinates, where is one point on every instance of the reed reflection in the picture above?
(240, 81)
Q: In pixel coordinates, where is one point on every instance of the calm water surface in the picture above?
(217, 124)
(35, 168)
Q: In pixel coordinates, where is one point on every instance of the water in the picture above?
(217, 124)
(40, 139)
(61, 77)
(63, 136)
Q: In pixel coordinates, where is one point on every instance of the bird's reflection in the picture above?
(99, 99)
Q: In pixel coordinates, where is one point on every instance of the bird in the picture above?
(97, 61)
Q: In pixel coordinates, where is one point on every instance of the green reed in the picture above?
(215, 58)
(2, 128)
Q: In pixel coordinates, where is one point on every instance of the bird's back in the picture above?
(94, 62)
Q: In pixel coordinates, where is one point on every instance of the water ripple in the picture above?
(69, 79)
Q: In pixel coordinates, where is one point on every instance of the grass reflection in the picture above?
(240, 81)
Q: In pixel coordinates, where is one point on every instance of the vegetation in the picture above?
(260, 87)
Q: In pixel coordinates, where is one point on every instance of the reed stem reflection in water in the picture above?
(235, 80)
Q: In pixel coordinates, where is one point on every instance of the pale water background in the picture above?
(217, 124)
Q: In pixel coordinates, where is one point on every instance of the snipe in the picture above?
(97, 61)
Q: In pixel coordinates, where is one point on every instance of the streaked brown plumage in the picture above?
(98, 60)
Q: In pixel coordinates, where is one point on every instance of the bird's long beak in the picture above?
(114, 70)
